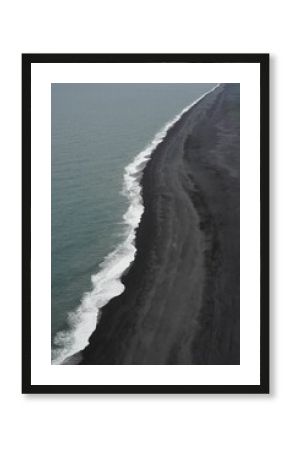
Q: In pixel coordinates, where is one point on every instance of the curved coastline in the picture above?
(181, 299)
(107, 282)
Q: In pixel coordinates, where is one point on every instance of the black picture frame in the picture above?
(263, 61)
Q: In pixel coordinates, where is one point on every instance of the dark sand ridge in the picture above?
(181, 304)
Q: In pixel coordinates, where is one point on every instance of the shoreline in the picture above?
(84, 318)
(181, 299)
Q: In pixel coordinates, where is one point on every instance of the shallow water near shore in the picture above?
(97, 130)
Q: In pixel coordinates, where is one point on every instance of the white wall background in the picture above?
(142, 422)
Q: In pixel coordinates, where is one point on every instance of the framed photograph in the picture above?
(145, 226)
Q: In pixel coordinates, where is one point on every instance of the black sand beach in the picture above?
(181, 303)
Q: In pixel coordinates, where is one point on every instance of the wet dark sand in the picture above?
(181, 304)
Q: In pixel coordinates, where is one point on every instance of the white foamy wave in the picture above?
(106, 284)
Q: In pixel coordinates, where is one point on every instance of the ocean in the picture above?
(102, 135)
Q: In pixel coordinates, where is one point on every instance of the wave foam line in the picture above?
(106, 284)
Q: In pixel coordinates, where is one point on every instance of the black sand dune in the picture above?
(181, 304)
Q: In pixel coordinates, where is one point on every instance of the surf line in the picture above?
(106, 284)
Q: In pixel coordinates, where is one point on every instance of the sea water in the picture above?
(102, 136)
